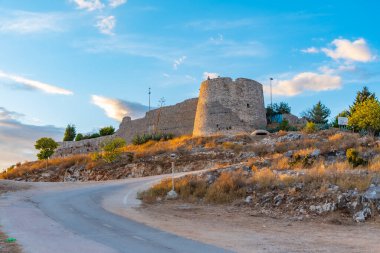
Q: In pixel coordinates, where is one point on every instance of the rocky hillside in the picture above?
(290, 173)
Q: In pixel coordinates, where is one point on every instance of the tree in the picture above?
(70, 133)
(282, 108)
(366, 116)
(362, 96)
(318, 114)
(275, 109)
(46, 146)
(109, 130)
(79, 137)
(111, 149)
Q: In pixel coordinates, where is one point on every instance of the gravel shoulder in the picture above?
(240, 230)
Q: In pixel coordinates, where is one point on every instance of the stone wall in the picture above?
(176, 119)
(80, 147)
(229, 107)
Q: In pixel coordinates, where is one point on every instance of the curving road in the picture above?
(69, 218)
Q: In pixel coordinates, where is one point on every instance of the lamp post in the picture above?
(270, 83)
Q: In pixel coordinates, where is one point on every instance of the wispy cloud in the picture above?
(306, 81)
(89, 5)
(116, 3)
(17, 139)
(207, 75)
(219, 24)
(33, 84)
(106, 25)
(178, 62)
(117, 109)
(24, 22)
(310, 50)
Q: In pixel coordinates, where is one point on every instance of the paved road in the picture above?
(73, 220)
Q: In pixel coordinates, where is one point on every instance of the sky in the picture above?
(91, 62)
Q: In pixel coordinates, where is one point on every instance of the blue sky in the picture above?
(89, 62)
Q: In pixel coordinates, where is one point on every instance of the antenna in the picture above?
(149, 97)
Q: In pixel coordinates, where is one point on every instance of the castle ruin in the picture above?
(224, 107)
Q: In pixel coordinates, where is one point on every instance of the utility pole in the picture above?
(271, 101)
(149, 97)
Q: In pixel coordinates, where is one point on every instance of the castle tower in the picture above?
(229, 107)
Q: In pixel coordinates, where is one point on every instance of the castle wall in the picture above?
(176, 119)
(229, 107)
(80, 147)
(224, 107)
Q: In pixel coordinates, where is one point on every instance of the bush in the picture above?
(142, 139)
(111, 149)
(353, 158)
(310, 127)
(109, 130)
(79, 137)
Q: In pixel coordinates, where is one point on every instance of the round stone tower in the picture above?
(229, 107)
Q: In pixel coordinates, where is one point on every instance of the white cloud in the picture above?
(106, 25)
(116, 3)
(33, 84)
(357, 50)
(89, 5)
(210, 75)
(30, 22)
(117, 109)
(178, 62)
(307, 81)
(17, 139)
(310, 50)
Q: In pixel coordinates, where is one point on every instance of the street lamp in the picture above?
(172, 194)
(270, 83)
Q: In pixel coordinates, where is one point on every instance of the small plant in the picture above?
(353, 158)
(111, 149)
(310, 127)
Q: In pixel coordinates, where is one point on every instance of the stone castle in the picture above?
(224, 107)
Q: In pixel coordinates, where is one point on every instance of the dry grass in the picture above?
(228, 187)
(60, 163)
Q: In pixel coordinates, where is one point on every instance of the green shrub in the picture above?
(111, 149)
(310, 127)
(79, 137)
(141, 139)
(109, 130)
(354, 158)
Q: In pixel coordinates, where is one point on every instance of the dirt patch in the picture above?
(243, 230)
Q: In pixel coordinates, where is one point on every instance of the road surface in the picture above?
(70, 218)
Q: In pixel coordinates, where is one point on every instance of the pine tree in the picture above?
(318, 114)
(70, 133)
(362, 96)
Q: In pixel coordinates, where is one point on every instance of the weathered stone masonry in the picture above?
(224, 107)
